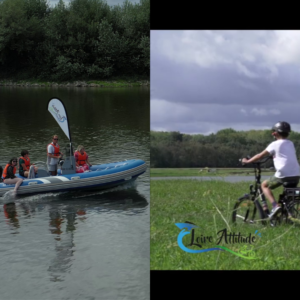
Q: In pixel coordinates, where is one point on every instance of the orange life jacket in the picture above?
(81, 158)
(27, 163)
(56, 149)
(4, 174)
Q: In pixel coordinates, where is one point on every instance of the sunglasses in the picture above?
(56, 139)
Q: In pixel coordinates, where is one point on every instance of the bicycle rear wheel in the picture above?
(248, 211)
(294, 212)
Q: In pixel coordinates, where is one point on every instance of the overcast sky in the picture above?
(203, 81)
(109, 2)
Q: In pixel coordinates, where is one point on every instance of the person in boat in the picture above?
(82, 160)
(53, 155)
(24, 164)
(9, 174)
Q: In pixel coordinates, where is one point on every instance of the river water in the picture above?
(77, 245)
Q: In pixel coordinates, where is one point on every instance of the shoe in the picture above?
(274, 211)
(266, 210)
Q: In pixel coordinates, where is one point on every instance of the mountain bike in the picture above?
(252, 208)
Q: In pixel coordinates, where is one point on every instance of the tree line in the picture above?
(86, 39)
(218, 150)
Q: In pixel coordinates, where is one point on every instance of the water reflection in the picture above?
(11, 215)
(64, 221)
(65, 216)
(55, 223)
(64, 244)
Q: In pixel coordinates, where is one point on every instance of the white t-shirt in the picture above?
(50, 160)
(284, 157)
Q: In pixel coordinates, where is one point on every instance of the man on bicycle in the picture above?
(285, 162)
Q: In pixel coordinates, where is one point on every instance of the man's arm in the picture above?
(24, 167)
(255, 157)
(22, 163)
(51, 154)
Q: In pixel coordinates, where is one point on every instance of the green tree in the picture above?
(22, 32)
(84, 39)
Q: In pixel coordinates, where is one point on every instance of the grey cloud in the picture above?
(192, 84)
(217, 113)
(204, 81)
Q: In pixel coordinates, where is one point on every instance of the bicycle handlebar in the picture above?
(257, 162)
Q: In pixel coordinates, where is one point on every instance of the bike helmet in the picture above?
(282, 127)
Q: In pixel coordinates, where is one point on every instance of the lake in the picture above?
(77, 245)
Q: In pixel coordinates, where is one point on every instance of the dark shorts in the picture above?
(22, 173)
(274, 182)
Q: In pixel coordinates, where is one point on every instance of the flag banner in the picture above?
(58, 111)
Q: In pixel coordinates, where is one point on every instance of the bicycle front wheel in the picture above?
(248, 211)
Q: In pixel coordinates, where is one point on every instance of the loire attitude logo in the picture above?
(246, 242)
(58, 116)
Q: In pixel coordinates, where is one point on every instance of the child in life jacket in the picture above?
(9, 172)
(82, 160)
(24, 164)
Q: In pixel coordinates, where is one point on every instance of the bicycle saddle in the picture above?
(291, 184)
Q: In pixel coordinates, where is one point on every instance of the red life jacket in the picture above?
(56, 149)
(81, 158)
(27, 162)
(4, 174)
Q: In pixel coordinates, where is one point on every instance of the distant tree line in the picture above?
(84, 39)
(220, 150)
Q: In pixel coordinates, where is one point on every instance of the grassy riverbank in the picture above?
(169, 172)
(209, 205)
(113, 83)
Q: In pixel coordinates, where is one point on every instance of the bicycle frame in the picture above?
(257, 192)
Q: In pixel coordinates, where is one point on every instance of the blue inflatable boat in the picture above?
(99, 177)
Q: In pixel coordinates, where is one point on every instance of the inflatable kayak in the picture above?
(98, 177)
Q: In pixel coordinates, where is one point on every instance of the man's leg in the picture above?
(267, 186)
(55, 172)
(52, 169)
(268, 192)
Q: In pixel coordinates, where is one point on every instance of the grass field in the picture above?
(168, 172)
(209, 205)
